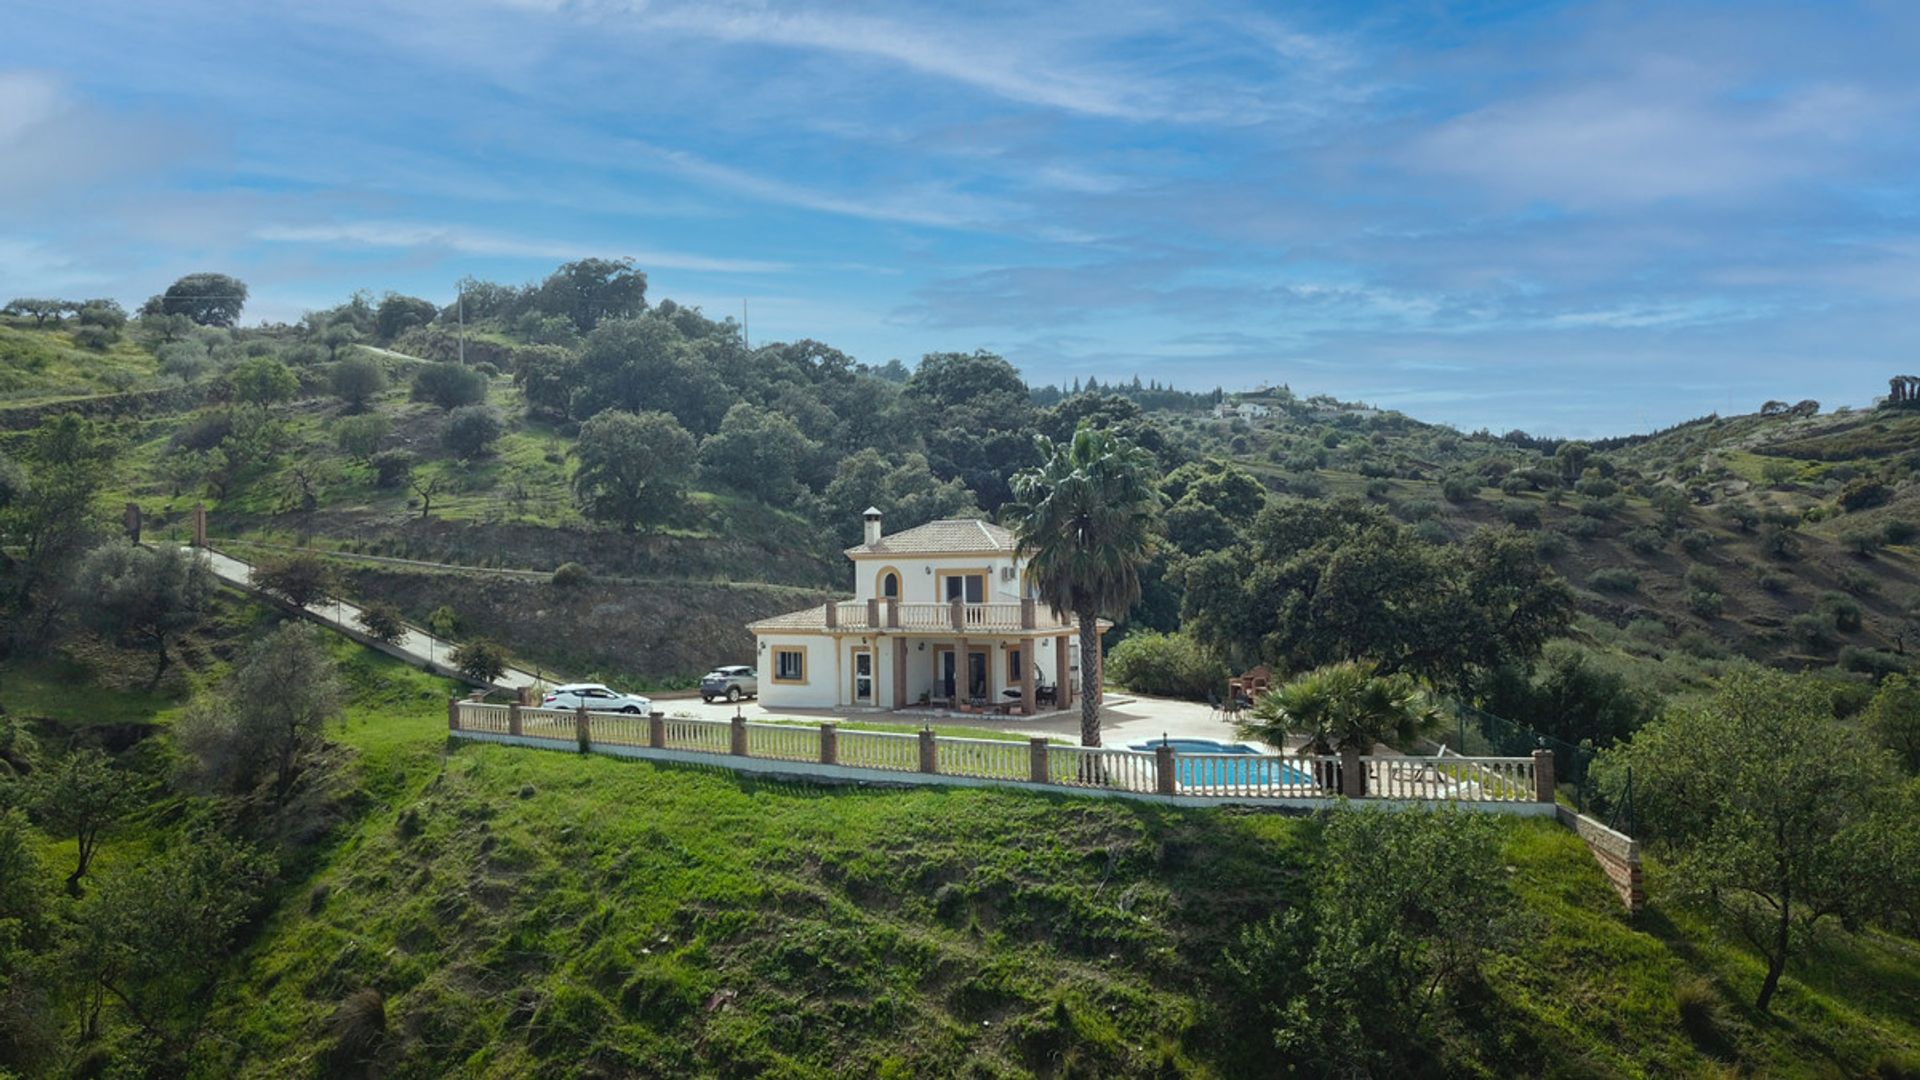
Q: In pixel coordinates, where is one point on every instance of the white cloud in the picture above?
(402, 234)
(27, 99)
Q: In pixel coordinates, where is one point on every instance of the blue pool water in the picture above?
(1254, 768)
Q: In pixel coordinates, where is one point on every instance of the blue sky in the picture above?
(1572, 218)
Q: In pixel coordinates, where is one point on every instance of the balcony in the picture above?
(957, 616)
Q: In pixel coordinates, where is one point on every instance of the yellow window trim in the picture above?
(879, 578)
(802, 654)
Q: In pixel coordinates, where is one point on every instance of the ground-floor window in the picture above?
(790, 665)
(1016, 663)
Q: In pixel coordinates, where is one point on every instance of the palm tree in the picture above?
(1084, 521)
(1341, 708)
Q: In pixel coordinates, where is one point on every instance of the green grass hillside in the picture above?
(531, 913)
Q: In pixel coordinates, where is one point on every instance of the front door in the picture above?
(863, 676)
(943, 672)
(977, 677)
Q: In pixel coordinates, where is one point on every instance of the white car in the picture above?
(596, 697)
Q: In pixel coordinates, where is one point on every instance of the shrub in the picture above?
(300, 578)
(1648, 630)
(391, 468)
(360, 436)
(1599, 508)
(1431, 532)
(97, 338)
(1551, 545)
(1875, 662)
(1645, 541)
(1812, 631)
(1779, 541)
(1703, 578)
(472, 430)
(449, 385)
(382, 621)
(1841, 610)
(1696, 542)
(357, 380)
(1418, 509)
(1458, 489)
(1899, 531)
(1614, 580)
(571, 575)
(1306, 485)
(1595, 486)
(480, 660)
(1707, 605)
(1858, 582)
(1582, 528)
(1700, 644)
(1521, 515)
(1378, 488)
(1863, 542)
(1772, 581)
(1172, 665)
(1863, 494)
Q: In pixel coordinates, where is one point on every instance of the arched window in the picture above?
(890, 585)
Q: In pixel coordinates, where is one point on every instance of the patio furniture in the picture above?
(1249, 684)
(1215, 711)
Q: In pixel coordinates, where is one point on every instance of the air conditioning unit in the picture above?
(1006, 573)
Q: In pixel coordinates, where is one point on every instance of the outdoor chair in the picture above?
(1215, 711)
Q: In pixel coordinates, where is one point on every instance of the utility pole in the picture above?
(460, 309)
(746, 329)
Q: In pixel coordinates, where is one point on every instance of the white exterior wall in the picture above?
(822, 673)
(920, 576)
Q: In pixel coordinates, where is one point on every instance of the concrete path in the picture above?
(416, 646)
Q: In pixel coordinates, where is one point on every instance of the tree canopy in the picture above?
(633, 468)
(207, 298)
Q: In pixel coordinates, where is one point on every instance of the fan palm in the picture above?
(1341, 707)
(1084, 522)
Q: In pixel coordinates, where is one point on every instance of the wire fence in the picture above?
(1477, 733)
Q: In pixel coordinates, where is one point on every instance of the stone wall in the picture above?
(1617, 853)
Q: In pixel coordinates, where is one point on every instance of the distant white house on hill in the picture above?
(1242, 410)
(942, 618)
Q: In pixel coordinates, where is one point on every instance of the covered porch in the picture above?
(1020, 674)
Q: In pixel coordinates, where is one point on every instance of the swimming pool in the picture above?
(1228, 765)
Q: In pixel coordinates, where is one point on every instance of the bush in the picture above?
(1700, 644)
(1696, 542)
(391, 468)
(357, 380)
(1582, 528)
(1773, 581)
(97, 338)
(1614, 580)
(1864, 542)
(1707, 605)
(1875, 662)
(1306, 486)
(1521, 515)
(1418, 509)
(1378, 488)
(300, 578)
(1898, 531)
(449, 385)
(1858, 582)
(1703, 578)
(472, 430)
(382, 621)
(1812, 631)
(360, 436)
(1168, 665)
(1843, 612)
(1458, 489)
(1551, 545)
(1864, 494)
(1645, 541)
(571, 575)
(480, 660)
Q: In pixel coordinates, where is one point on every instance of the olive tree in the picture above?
(1767, 808)
(265, 719)
(146, 595)
(83, 796)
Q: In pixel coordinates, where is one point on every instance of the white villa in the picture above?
(942, 619)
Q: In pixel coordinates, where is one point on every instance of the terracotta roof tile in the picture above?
(950, 537)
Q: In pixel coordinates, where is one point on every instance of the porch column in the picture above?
(962, 674)
(1063, 683)
(899, 671)
(1026, 674)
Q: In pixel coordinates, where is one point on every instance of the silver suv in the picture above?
(732, 683)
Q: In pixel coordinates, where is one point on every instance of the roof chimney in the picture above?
(873, 525)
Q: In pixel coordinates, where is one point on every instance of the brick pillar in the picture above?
(583, 729)
(833, 614)
(1037, 757)
(1163, 768)
(1028, 616)
(893, 613)
(737, 730)
(199, 525)
(526, 695)
(873, 612)
(1353, 776)
(453, 714)
(958, 611)
(1543, 782)
(133, 522)
(829, 744)
(513, 718)
(929, 752)
(657, 730)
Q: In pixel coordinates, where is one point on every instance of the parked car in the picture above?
(596, 697)
(733, 683)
